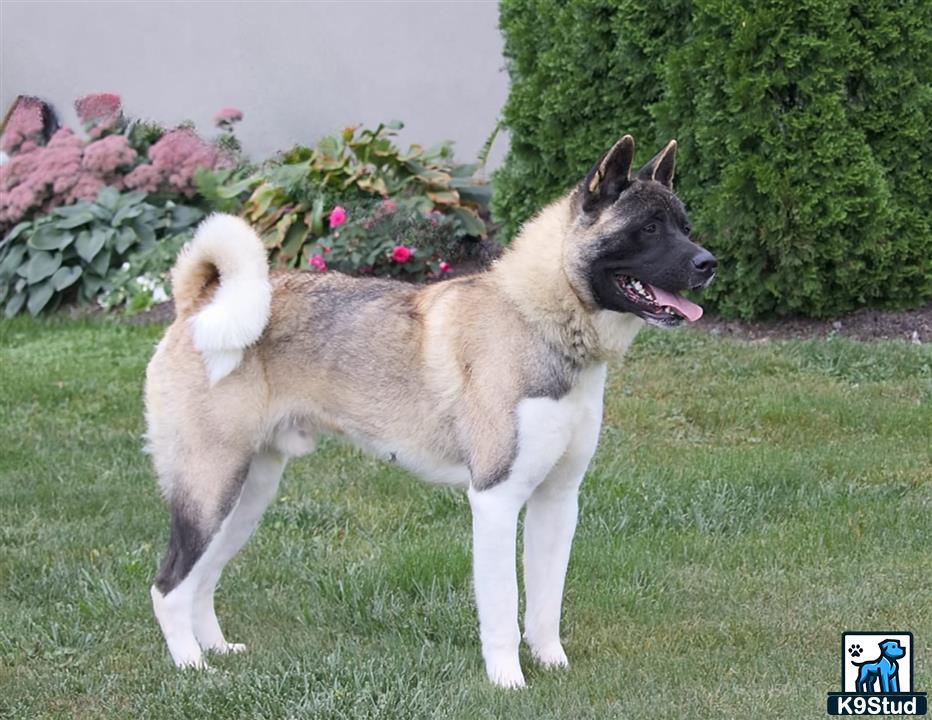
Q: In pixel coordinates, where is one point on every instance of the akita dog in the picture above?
(492, 382)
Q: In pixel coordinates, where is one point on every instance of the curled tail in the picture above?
(220, 284)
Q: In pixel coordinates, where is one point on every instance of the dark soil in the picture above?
(910, 325)
(161, 313)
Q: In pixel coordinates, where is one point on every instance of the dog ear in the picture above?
(661, 166)
(609, 177)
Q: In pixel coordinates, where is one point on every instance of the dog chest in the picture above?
(549, 429)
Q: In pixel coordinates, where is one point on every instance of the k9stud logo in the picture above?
(876, 676)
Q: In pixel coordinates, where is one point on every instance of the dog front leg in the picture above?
(494, 526)
(885, 682)
(549, 526)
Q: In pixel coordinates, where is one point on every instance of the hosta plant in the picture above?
(143, 280)
(71, 252)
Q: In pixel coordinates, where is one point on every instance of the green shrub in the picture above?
(805, 144)
(580, 73)
(72, 252)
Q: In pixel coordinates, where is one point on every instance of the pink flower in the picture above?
(228, 116)
(59, 163)
(42, 177)
(106, 155)
(98, 110)
(444, 267)
(401, 254)
(145, 178)
(24, 123)
(86, 188)
(337, 216)
(318, 262)
(175, 158)
(389, 205)
(326, 250)
(17, 202)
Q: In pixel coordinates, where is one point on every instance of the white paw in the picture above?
(550, 656)
(229, 647)
(193, 663)
(505, 674)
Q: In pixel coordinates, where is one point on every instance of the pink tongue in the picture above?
(684, 307)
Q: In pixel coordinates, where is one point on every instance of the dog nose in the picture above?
(705, 262)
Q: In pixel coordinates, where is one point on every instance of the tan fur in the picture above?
(193, 277)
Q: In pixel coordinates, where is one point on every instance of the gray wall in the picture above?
(296, 69)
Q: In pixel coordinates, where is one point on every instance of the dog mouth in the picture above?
(657, 306)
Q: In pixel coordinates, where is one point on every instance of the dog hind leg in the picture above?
(259, 489)
(203, 495)
(173, 593)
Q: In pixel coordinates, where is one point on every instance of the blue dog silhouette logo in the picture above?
(876, 676)
(880, 675)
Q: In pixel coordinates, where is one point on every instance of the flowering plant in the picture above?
(291, 201)
(225, 119)
(386, 239)
(26, 123)
(41, 176)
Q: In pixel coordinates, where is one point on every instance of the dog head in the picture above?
(891, 649)
(628, 249)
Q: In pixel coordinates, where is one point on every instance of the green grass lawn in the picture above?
(748, 503)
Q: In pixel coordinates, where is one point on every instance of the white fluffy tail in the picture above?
(227, 252)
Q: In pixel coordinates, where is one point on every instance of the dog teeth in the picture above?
(636, 287)
(640, 289)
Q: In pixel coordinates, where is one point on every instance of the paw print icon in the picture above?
(855, 650)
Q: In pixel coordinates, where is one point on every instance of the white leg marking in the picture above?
(494, 530)
(258, 490)
(549, 526)
(173, 611)
(550, 523)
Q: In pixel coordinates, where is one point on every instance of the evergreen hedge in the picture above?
(805, 150)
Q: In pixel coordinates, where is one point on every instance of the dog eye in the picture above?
(688, 229)
(649, 229)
